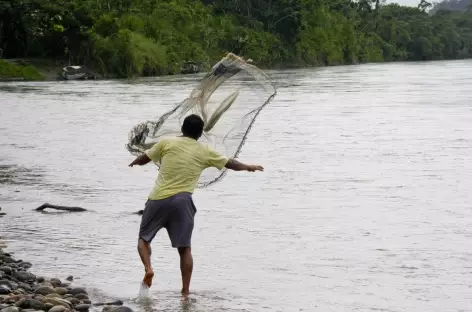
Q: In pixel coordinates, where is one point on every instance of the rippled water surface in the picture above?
(365, 203)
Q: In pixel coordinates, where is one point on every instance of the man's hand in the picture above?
(235, 165)
(253, 168)
(140, 160)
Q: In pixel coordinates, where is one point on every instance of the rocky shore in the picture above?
(22, 291)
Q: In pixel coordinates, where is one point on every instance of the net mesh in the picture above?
(228, 98)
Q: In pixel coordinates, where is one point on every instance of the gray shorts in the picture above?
(175, 213)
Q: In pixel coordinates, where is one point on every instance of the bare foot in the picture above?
(147, 280)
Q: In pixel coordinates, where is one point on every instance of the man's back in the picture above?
(182, 160)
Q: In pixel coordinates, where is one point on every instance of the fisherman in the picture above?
(169, 205)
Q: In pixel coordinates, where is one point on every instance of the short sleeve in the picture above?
(216, 160)
(155, 152)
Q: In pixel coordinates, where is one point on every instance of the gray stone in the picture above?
(10, 309)
(40, 279)
(20, 302)
(55, 282)
(6, 269)
(24, 276)
(74, 300)
(44, 290)
(58, 309)
(26, 265)
(48, 306)
(122, 309)
(81, 296)
(108, 308)
(25, 287)
(70, 278)
(82, 307)
(32, 304)
(87, 301)
(4, 290)
(53, 295)
(7, 259)
(78, 290)
(7, 283)
(61, 290)
(58, 301)
(113, 303)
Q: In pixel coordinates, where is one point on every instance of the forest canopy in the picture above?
(124, 38)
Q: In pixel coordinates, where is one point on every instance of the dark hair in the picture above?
(193, 126)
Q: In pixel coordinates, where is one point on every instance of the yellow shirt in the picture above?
(182, 161)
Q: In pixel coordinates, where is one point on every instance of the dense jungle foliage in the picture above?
(124, 38)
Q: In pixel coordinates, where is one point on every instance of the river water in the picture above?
(365, 203)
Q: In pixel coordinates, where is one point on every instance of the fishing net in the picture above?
(228, 99)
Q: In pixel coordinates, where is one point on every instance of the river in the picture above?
(365, 203)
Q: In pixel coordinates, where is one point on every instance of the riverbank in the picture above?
(11, 70)
(22, 291)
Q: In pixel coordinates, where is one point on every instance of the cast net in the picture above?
(228, 98)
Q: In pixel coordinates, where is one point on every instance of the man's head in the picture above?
(193, 126)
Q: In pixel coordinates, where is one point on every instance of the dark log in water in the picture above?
(66, 208)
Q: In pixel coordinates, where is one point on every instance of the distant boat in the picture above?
(190, 68)
(75, 72)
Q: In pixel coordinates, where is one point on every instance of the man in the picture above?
(170, 204)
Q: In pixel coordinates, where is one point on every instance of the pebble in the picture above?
(58, 301)
(81, 296)
(32, 304)
(7, 283)
(82, 307)
(78, 290)
(44, 290)
(55, 282)
(122, 309)
(58, 309)
(23, 276)
(61, 290)
(22, 291)
(6, 270)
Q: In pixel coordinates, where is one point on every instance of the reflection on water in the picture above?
(364, 204)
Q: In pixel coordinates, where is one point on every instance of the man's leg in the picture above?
(154, 217)
(180, 228)
(186, 268)
(144, 250)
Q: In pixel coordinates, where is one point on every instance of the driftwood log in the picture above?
(65, 208)
(71, 209)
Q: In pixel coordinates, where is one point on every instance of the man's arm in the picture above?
(140, 160)
(235, 165)
(152, 154)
